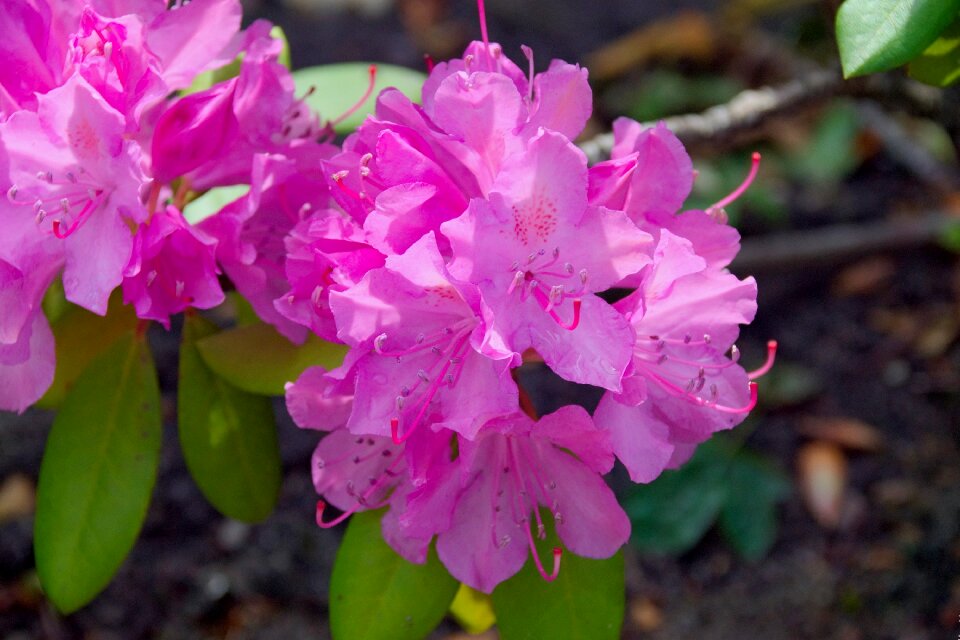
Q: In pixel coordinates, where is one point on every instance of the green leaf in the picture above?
(748, 519)
(80, 336)
(337, 87)
(257, 359)
(830, 153)
(228, 436)
(377, 595)
(940, 63)
(98, 471)
(55, 302)
(211, 202)
(585, 602)
(672, 513)
(473, 610)
(876, 35)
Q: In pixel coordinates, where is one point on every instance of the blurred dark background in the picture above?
(850, 231)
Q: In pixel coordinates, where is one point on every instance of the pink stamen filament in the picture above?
(557, 553)
(428, 60)
(676, 391)
(766, 366)
(546, 305)
(362, 198)
(450, 357)
(702, 365)
(754, 167)
(366, 94)
(483, 24)
(62, 233)
(361, 502)
(528, 53)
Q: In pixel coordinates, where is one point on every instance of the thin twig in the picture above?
(751, 108)
(838, 243)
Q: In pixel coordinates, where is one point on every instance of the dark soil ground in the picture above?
(869, 343)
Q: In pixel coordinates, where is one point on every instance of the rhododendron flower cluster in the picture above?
(443, 243)
(471, 232)
(98, 155)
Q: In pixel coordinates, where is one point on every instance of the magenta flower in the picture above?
(324, 253)
(414, 329)
(514, 468)
(27, 365)
(284, 191)
(682, 387)
(648, 176)
(538, 251)
(211, 137)
(172, 268)
(73, 172)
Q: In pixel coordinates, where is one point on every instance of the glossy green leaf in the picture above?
(228, 436)
(940, 63)
(98, 471)
(337, 87)
(876, 35)
(377, 595)
(585, 602)
(473, 610)
(257, 359)
(212, 201)
(672, 513)
(80, 336)
(748, 518)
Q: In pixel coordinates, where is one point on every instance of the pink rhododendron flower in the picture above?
(324, 253)
(682, 388)
(514, 468)
(418, 328)
(172, 268)
(538, 252)
(72, 171)
(284, 191)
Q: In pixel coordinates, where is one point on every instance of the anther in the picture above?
(12, 192)
(423, 375)
(378, 343)
(583, 276)
(516, 282)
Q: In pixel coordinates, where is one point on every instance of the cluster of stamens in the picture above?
(74, 200)
(447, 349)
(528, 280)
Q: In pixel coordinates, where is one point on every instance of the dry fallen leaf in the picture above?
(848, 433)
(822, 477)
(645, 614)
(688, 34)
(18, 497)
(864, 277)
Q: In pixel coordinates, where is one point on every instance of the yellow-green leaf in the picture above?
(228, 436)
(585, 602)
(80, 337)
(257, 359)
(98, 471)
(377, 595)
